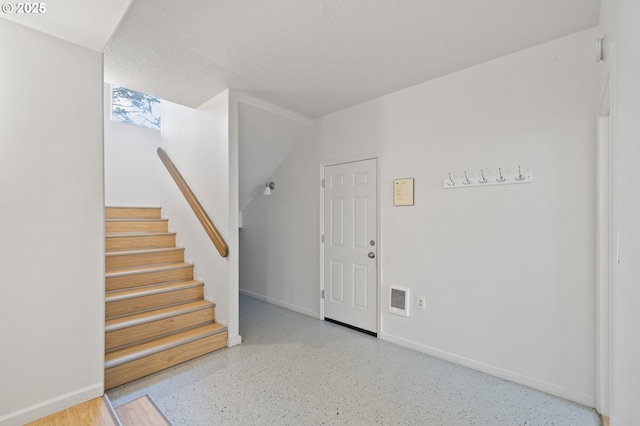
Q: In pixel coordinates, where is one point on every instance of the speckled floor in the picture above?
(295, 370)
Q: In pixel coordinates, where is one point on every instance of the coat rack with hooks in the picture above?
(467, 180)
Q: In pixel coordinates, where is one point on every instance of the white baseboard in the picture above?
(53, 405)
(234, 341)
(550, 388)
(289, 306)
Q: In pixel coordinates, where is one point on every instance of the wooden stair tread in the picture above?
(143, 251)
(133, 270)
(136, 329)
(135, 219)
(144, 366)
(134, 241)
(119, 357)
(143, 257)
(154, 315)
(136, 225)
(111, 212)
(137, 234)
(113, 296)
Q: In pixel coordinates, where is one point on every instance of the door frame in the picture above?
(379, 253)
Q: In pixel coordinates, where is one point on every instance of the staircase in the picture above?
(156, 315)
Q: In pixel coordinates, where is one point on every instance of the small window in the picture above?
(134, 107)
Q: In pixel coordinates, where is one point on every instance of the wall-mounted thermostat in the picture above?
(399, 301)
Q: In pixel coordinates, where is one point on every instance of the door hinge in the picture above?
(322, 238)
(322, 183)
(322, 296)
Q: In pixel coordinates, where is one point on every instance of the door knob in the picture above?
(371, 255)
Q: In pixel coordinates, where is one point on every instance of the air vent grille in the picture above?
(399, 301)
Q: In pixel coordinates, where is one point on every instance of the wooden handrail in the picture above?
(202, 216)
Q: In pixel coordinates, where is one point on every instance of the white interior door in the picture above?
(351, 244)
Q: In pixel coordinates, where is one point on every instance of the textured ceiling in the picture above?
(86, 23)
(319, 56)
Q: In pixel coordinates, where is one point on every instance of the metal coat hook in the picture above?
(469, 180)
(466, 180)
(452, 182)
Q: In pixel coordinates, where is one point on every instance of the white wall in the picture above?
(51, 224)
(507, 271)
(266, 135)
(197, 140)
(619, 22)
(279, 245)
(132, 168)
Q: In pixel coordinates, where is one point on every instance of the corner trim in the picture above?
(53, 405)
(550, 388)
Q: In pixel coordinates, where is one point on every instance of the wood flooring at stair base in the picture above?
(141, 412)
(94, 412)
